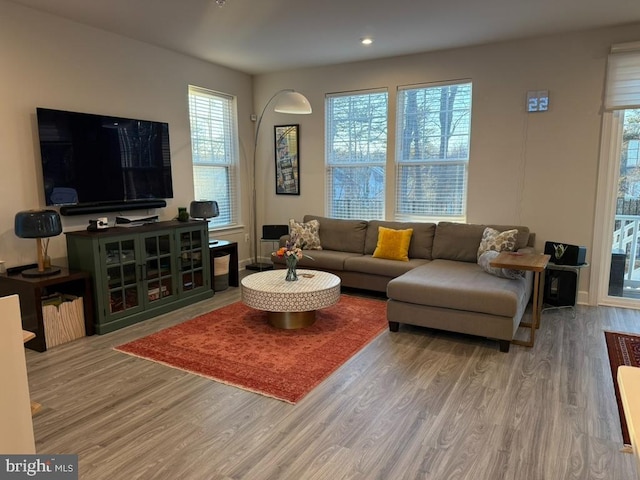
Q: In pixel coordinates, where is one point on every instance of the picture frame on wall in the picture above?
(287, 157)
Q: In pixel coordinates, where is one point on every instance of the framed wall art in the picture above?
(287, 159)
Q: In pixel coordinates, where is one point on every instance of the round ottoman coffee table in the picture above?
(290, 304)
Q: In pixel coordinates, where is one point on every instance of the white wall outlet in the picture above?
(246, 238)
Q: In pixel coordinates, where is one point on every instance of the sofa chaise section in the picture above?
(459, 297)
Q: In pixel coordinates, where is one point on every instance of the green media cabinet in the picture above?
(143, 271)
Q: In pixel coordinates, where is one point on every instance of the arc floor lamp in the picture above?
(286, 101)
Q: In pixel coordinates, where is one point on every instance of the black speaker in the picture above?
(106, 207)
(560, 288)
(616, 274)
(274, 232)
(564, 254)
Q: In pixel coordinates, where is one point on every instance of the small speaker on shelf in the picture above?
(565, 254)
(274, 232)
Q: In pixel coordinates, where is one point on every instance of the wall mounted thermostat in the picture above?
(537, 100)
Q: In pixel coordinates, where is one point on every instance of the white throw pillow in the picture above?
(497, 241)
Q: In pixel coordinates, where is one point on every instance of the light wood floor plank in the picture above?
(417, 404)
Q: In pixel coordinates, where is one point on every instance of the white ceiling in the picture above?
(258, 36)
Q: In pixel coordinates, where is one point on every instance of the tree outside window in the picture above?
(433, 137)
(356, 152)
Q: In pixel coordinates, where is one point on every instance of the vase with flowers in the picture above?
(291, 254)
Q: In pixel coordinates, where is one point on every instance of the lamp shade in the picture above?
(37, 224)
(292, 102)
(204, 209)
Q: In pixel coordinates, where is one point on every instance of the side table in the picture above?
(32, 290)
(229, 248)
(531, 262)
(561, 286)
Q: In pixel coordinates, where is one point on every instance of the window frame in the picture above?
(461, 162)
(376, 167)
(228, 160)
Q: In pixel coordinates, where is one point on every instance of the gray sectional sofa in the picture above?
(441, 286)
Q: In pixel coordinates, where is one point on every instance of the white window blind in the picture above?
(214, 150)
(432, 152)
(356, 151)
(623, 77)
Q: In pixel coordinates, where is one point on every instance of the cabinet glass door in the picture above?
(122, 292)
(191, 259)
(158, 272)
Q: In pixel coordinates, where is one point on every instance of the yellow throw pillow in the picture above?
(393, 244)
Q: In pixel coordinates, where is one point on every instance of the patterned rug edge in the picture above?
(292, 400)
(210, 377)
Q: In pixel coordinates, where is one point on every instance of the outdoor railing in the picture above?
(626, 237)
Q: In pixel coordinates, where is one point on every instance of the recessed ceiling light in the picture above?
(366, 41)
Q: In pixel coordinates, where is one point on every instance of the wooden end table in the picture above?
(531, 262)
(31, 291)
(629, 386)
(290, 304)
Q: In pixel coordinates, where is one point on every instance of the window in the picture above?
(214, 151)
(356, 153)
(432, 143)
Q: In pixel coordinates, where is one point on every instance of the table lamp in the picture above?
(39, 224)
(204, 209)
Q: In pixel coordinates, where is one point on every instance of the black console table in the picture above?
(229, 248)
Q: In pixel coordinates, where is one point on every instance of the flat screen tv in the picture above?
(101, 160)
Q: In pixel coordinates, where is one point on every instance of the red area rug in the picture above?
(236, 345)
(623, 349)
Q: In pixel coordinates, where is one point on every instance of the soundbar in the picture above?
(87, 208)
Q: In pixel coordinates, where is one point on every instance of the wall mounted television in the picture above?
(97, 163)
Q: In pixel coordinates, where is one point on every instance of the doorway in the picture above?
(620, 233)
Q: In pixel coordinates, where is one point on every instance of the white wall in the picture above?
(533, 169)
(51, 62)
(530, 169)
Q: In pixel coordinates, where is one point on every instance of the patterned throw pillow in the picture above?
(493, 240)
(485, 260)
(306, 235)
(393, 244)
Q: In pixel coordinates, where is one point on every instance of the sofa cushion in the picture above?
(305, 234)
(381, 266)
(341, 235)
(322, 260)
(494, 240)
(421, 240)
(393, 244)
(460, 241)
(460, 286)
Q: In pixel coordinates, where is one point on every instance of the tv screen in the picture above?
(99, 159)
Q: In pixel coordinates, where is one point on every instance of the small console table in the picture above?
(561, 286)
(531, 262)
(31, 291)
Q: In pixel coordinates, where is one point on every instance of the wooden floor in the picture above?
(413, 404)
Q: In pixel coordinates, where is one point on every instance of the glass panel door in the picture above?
(191, 265)
(624, 277)
(122, 276)
(158, 271)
